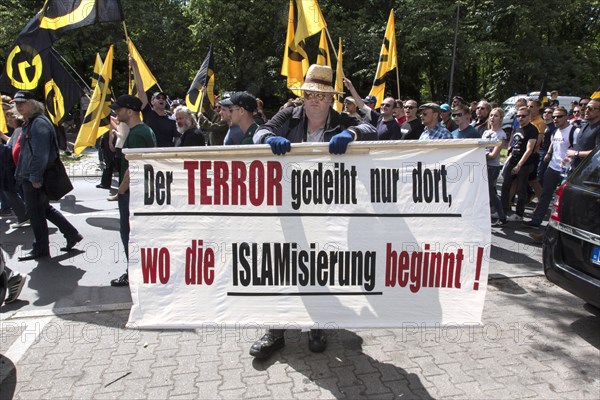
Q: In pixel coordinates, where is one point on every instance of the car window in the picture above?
(589, 172)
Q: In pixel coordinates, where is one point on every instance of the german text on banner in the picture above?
(384, 235)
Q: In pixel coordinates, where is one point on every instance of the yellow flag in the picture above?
(339, 83)
(323, 54)
(310, 20)
(97, 70)
(388, 60)
(97, 117)
(295, 59)
(3, 126)
(147, 78)
(596, 94)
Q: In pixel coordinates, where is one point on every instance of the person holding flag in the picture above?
(155, 112)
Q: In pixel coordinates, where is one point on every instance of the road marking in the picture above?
(20, 346)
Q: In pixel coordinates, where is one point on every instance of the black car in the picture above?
(571, 250)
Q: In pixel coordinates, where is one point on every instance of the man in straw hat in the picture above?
(314, 121)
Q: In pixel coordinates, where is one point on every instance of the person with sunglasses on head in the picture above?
(518, 166)
(313, 121)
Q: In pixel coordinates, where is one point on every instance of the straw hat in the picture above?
(319, 78)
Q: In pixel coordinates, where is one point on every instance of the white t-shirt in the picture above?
(560, 145)
(493, 135)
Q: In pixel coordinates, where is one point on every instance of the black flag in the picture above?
(205, 77)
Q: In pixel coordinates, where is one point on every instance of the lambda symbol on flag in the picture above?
(22, 80)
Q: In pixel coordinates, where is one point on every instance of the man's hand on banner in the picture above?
(339, 143)
(279, 145)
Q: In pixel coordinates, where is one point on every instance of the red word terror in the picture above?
(234, 182)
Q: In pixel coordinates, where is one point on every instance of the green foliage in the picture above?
(503, 47)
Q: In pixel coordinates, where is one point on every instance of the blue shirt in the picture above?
(437, 132)
(468, 133)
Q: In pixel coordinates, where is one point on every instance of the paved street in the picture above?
(65, 337)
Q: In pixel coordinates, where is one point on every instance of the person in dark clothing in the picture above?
(314, 121)
(154, 112)
(39, 150)
(187, 126)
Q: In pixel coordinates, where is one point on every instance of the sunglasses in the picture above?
(386, 105)
(558, 116)
(455, 115)
(593, 108)
(409, 107)
(522, 116)
(318, 96)
(576, 112)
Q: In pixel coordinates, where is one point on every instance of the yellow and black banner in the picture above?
(205, 78)
(543, 96)
(323, 57)
(295, 59)
(97, 118)
(24, 64)
(148, 80)
(388, 60)
(310, 20)
(596, 94)
(61, 91)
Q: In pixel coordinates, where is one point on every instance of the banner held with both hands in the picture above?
(388, 234)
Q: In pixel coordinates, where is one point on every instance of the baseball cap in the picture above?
(445, 107)
(370, 99)
(431, 106)
(243, 100)
(127, 101)
(22, 96)
(156, 94)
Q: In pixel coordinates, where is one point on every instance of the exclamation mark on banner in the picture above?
(478, 268)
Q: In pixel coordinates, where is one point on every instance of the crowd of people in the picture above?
(543, 143)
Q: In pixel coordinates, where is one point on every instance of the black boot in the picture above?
(270, 342)
(317, 340)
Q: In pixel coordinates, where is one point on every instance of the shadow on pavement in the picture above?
(108, 224)
(587, 328)
(505, 284)
(69, 204)
(53, 280)
(343, 367)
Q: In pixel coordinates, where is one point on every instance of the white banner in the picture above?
(388, 234)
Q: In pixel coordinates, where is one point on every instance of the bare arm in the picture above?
(141, 93)
(359, 101)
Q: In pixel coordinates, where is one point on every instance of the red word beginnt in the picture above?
(234, 183)
(423, 268)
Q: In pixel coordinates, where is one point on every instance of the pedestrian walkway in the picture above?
(536, 342)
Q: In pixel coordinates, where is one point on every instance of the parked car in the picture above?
(571, 249)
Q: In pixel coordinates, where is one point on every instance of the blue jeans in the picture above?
(14, 201)
(40, 212)
(124, 229)
(552, 179)
(493, 172)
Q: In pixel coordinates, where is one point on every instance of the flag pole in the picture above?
(70, 66)
(397, 78)
(331, 43)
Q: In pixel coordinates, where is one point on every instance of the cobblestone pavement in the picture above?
(536, 342)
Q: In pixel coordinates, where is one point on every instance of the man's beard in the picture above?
(182, 129)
